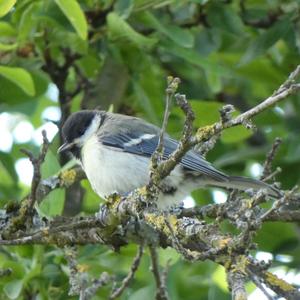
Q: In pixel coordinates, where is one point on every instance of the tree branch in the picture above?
(267, 167)
(161, 292)
(127, 280)
(36, 179)
(186, 230)
(237, 277)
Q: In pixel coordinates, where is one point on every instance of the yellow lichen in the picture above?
(68, 177)
(222, 243)
(82, 268)
(236, 264)
(157, 221)
(45, 231)
(160, 223)
(227, 263)
(205, 132)
(143, 191)
(250, 203)
(173, 222)
(240, 264)
(240, 296)
(275, 281)
(113, 201)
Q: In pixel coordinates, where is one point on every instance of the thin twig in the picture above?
(127, 280)
(191, 234)
(158, 153)
(36, 163)
(79, 279)
(267, 168)
(225, 116)
(279, 95)
(75, 280)
(279, 203)
(273, 174)
(282, 288)
(88, 293)
(170, 91)
(161, 292)
(260, 286)
(206, 133)
(168, 165)
(286, 89)
(187, 254)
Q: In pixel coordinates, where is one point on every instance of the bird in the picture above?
(115, 152)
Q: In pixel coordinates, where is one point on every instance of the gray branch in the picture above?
(183, 229)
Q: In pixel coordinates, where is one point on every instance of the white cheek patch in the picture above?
(146, 136)
(92, 129)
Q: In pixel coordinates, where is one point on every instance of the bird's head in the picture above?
(78, 128)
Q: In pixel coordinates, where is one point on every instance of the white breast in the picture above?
(110, 170)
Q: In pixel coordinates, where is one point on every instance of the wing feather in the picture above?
(146, 144)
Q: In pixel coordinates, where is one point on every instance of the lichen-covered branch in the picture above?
(186, 230)
(237, 277)
(80, 282)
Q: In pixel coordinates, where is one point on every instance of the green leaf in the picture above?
(145, 293)
(182, 37)
(265, 237)
(120, 31)
(75, 15)
(53, 203)
(124, 7)
(6, 29)
(214, 81)
(13, 289)
(8, 164)
(266, 40)
(91, 200)
(194, 58)
(147, 104)
(7, 47)
(18, 269)
(90, 65)
(51, 165)
(35, 271)
(5, 6)
(19, 77)
(219, 278)
(225, 18)
(27, 24)
(10, 94)
(235, 134)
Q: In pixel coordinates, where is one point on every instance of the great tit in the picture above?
(115, 153)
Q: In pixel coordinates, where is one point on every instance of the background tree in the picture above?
(66, 55)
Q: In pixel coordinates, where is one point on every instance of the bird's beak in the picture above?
(65, 147)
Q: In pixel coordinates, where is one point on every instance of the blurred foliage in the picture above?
(116, 55)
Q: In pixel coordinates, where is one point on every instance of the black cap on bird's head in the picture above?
(77, 128)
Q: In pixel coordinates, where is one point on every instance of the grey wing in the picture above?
(146, 144)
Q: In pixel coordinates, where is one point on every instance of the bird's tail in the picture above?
(244, 183)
